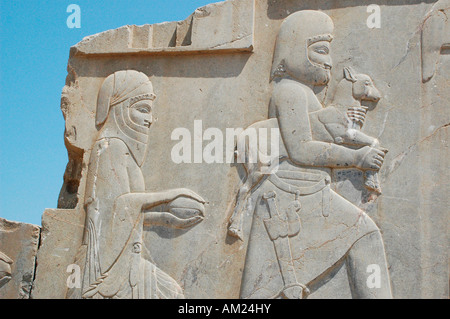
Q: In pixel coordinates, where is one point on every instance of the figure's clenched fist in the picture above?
(370, 158)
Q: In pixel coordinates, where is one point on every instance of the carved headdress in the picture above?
(118, 93)
(299, 31)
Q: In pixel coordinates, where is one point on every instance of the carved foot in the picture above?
(297, 291)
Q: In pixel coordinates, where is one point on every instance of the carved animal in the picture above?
(5, 269)
(339, 123)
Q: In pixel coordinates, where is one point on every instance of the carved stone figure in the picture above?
(303, 225)
(5, 269)
(116, 203)
(339, 123)
(435, 37)
(345, 116)
(301, 229)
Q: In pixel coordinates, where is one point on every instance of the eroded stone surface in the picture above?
(61, 236)
(18, 248)
(225, 26)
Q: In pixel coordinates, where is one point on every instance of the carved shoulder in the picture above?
(289, 93)
(114, 146)
(330, 115)
(107, 167)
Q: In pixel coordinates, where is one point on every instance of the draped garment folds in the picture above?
(114, 263)
(318, 226)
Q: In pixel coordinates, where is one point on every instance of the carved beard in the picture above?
(319, 75)
(301, 68)
(120, 125)
(297, 32)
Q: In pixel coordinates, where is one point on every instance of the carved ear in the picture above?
(348, 74)
(103, 100)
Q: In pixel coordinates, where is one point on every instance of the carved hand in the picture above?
(183, 212)
(166, 219)
(178, 192)
(357, 115)
(369, 158)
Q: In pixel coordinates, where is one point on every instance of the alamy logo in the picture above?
(374, 19)
(374, 279)
(74, 279)
(74, 19)
(250, 146)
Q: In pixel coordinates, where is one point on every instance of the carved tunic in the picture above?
(114, 265)
(330, 225)
(305, 228)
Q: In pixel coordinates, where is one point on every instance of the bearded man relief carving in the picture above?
(300, 228)
(117, 204)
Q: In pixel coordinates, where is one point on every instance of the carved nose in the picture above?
(328, 66)
(376, 96)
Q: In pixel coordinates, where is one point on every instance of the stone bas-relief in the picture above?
(357, 208)
(299, 224)
(5, 269)
(18, 249)
(340, 123)
(435, 38)
(116, 203)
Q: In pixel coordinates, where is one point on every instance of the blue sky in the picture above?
(34, 49)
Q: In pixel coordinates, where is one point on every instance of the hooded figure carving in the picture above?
(117, 94)
(116, 203)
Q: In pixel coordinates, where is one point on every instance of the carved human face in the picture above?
(319, 56)
(141, 113)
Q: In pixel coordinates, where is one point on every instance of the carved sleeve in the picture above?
(291, 103)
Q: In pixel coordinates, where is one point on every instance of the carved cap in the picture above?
(297, 32)
(119, 87)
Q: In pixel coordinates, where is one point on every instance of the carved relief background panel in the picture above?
(214, 70)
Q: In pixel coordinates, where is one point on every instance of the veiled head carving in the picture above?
(302, 50)
(124, 110)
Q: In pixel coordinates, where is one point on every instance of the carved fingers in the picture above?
(370, 158)
(187, 193)
(357, 115)
(183, 212)
(166, 219)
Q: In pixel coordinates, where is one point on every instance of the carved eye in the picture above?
(322, 50)
(143, 110)
(367, 83)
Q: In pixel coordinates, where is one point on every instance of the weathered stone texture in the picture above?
(140, 225)
(61, 235)
(18, 248)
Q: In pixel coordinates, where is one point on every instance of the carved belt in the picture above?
(322, 184)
